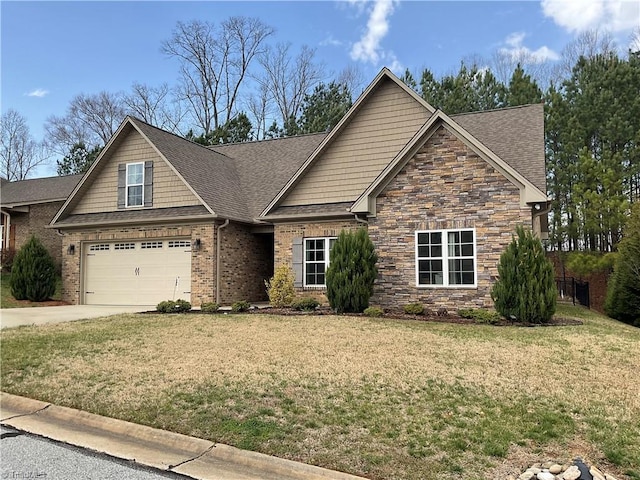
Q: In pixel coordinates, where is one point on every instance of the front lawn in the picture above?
(7, 300)
(383, 399)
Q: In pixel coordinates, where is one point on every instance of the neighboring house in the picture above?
(27, 208)
(158, 217)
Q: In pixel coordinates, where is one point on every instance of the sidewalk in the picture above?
(193, 457)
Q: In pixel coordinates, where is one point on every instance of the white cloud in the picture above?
(330, 41)
(368, 48)
(517, 51)
(580, 15)
(38, 92)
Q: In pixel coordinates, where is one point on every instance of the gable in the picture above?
(385, 122)
(100, 194)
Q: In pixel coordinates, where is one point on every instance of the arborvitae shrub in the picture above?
(525, 290)
(33, 275)
(623, 290)
(280, 288)
(352, 271)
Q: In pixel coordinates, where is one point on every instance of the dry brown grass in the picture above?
(380, 398)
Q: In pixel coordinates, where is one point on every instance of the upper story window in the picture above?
(135, 184)
(446, 258)
(316, 260)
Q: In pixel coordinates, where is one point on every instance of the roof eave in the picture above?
(134, 221)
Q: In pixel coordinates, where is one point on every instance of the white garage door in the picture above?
(137, 272)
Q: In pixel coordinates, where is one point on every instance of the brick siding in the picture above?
(34, 223)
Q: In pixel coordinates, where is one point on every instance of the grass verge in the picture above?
(378, 398)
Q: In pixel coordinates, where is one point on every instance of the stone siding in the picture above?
(283, 245)
(202, 261)
(246, 262)
(445, 185)
(34, 223)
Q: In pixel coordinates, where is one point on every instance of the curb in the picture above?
(160, 449)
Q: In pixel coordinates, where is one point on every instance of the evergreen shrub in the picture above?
(623, 290)
(414, 308)
(33, 274)
(525, 290)
(209, 307)
(351, 272)
(240, 306)
(373, 312)
(306, 304)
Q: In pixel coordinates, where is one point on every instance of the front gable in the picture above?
(370, 135)
(101, 193)
(103, 189)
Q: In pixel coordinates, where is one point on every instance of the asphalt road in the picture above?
(25, 457)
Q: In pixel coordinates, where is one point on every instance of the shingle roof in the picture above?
(515, 134)
(38, 190)
(212, 176)
(265, 166)
(136, 215)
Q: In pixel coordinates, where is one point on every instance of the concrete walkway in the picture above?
(167, 451)
(15, 317)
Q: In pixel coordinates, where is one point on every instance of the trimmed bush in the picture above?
(33, 274)
(414, 308)
(373, 312)
(171, 306)
(280, 288)
(306, 304)
(526, 289)
(480, 315)
(352, 271)
(623, 291)
(241, 306)
(209, 307)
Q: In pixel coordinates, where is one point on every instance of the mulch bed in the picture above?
(400, 315)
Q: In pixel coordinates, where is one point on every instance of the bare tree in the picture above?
(214, 64)
(19, 152)
(288, 79)
(155, 105)
(503, 63)
(353, 78)
(258, 106)
(90, 119)
(588, 44)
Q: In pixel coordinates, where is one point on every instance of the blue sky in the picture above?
(52, 51)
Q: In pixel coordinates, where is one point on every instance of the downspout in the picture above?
(359, 220)
(6, 235)
(218, 242)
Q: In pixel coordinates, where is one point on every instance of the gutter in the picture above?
(218, 243)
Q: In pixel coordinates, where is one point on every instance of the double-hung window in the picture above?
(135, 184)
(446, 258)
(316, 260)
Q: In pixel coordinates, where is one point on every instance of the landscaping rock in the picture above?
(553, 470)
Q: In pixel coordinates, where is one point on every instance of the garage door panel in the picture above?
(137, 273)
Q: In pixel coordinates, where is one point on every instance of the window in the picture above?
(446, 257)
(135, 184)
(316, 260)
(179, 243)
(98, 247)
(124, 246)
(148, 245)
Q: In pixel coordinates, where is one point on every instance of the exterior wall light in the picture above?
(71, 249)
(197, 244)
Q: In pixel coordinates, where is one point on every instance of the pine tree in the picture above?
(352, 271)
(525, 290)
(623, 292)
(33, 275)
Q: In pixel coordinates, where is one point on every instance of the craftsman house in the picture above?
(27, 208)
(158, 217)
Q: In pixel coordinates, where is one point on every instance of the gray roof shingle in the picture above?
(38, 190)
(266, 166)
(515, 134)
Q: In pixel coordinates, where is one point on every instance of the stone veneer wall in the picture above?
(283, 244)
(246, 262)
(445, 185)
(202, 261)
(34, 223)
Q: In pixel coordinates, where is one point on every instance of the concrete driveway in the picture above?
(14, 317)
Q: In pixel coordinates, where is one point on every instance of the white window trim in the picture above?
(127, 185)
(327, 250)
(445, 259)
